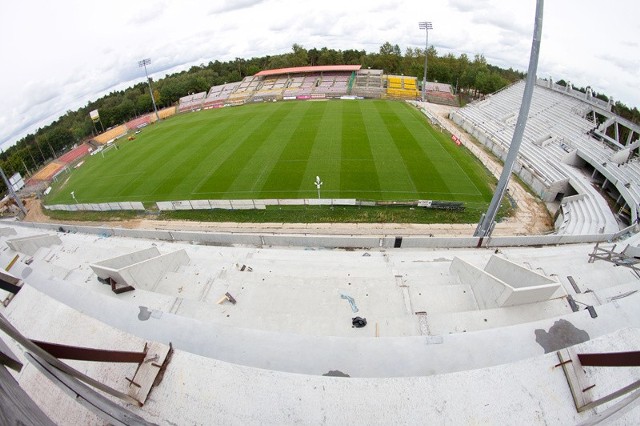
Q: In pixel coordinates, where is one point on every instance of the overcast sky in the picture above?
(58, 55)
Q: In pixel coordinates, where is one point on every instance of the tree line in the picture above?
(470, 77)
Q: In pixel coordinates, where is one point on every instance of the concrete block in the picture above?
(344, 202)
(242, 204)
(119, 262)
(164, 205)
(291, 202)
(327, 241)
(504, 283)
(487, 289)
(220, 204)
(182, 205)
(439, 242)
(215, 238)
(6, 231)
(137, 205)
(517, 276)
(200, 204)
(142, 269)
(30, 245)
(318, 201)
(259, 205)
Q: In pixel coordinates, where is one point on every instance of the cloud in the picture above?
(627, 64)
(468, 5)
(231, 5)
(151, 12)
(100, 53)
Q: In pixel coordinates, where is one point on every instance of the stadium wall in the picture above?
(250, 204)
(104, 207)
(325, 241)
(533, 179)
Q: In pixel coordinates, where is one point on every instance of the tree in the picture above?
(299, 56)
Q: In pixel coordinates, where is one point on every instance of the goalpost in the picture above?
(109, 147)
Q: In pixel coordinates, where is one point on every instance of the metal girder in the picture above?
(90, 354)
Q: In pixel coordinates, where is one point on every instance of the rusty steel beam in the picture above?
(90, 354)
(612, 359)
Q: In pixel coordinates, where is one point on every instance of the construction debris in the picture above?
(227, 297)
(358, 322)
(352, 302)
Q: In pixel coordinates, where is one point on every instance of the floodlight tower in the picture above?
(426, 26)
(12, 192)
(318, 184)
(144, 63)
(486, 224)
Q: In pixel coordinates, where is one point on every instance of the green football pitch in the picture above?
(368, 149)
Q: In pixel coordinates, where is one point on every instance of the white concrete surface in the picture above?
(199, 390)
(263, 359)
(30, 245)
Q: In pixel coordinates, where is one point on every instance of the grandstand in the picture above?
(218, 95)
(401, 87)
(57, 166)
(47, 172)
(75, 154)
(192, 102)
(565, 156)
(440, 93)
(164, 113)
(140, 122)
(313, 82)
(368, 84)
(111, 134)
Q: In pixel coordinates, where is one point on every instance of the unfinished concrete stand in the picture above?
(6, 232)
(30, 245)
(504, 283)
(141, 269)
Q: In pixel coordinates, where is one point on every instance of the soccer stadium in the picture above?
(191, 323)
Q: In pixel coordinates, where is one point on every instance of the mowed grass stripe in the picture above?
(182, 169)
(325, 154)
(467, 163)
(286, 179)
(159, 162)
(358, 172)
(267, 160)
(395, 181)
(360, 149)
(197, 161)
(416, 155)
(446, 166)
(224, 139)
(250, 136)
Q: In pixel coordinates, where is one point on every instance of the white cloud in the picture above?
(73, 54)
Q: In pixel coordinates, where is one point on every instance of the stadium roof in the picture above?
(321, 68)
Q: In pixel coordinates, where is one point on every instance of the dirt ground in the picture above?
(531, 216)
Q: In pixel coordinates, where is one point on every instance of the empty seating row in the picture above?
(557, 125)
